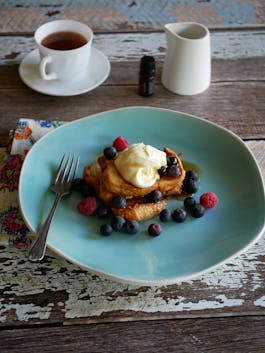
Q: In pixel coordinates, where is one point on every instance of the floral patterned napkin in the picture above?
(13, 230)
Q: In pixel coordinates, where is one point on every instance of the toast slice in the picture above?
(137, 209)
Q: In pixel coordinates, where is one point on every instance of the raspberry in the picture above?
(87, 206)
(208, 200)
(120, 143)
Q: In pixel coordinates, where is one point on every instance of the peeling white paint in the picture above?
(146, 302)
(25, 312)
(88, 295)
(228, 45)
(260, 301)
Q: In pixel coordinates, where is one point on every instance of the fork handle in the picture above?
(37, 249)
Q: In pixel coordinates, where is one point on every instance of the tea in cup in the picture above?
(64, 47)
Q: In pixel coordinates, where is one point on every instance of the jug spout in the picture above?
(186, 30)
(170, 29)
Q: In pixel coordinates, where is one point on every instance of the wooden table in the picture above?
(55, 305)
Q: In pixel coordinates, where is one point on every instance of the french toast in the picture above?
(138, 209)
(108, 182)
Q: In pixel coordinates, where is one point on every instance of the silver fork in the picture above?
(61, 185)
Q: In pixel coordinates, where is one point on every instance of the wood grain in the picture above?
(231, 105)
(215, 335)
(120, 15)
(123, 47)
(56, 306)
(127, 73)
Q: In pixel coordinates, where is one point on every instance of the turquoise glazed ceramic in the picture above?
(183, 250)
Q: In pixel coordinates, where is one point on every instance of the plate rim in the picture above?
(155, 282)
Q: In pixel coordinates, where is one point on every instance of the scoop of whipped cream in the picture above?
(139, 163)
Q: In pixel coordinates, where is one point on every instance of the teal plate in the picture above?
(183, 250)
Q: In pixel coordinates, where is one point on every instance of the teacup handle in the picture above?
(44, 61)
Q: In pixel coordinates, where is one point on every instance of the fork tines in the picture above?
(67, 169)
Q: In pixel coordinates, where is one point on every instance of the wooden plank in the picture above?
(121, 15)
(241, 334)
(127, 73)
(132, 46)
(56, 291)
(228, 104)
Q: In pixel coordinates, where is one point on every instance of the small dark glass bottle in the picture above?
(147, 76)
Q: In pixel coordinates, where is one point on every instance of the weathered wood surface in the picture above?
(57, 291)
(122, 47)
(140, 15)
(238, 76)
(230, 103)
(215, 335)
(42, 306)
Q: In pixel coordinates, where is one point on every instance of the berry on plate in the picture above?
(102, 211)
(117, 222)
(192, 175)
(189, 202)
(190, 186)
(106, 229)
(179, 215)
(154, 229)
(197, 210)
(109, 152)
(165, 215)
(154, 196)
(131, 227)
(87, 206)
(120, 143)
(209, 200)
(118, 201)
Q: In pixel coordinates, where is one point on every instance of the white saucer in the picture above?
(98, 71)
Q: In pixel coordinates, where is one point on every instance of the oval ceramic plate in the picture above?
(183, 250)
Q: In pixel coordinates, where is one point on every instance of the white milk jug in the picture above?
(187, 65)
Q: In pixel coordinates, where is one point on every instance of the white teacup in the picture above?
(187, 65)
(62, 59)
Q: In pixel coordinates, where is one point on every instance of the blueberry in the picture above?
(117, 222)
(171, 160)
(197, 210)
(192, 175)
(173, 171)
(106, 229)
(189, 202)
(190, 186)
(83, 187)
(131, 227)
(162, 171)
(88, 190)
(110, 152)
(179, 215)
(165, 215)
(102, 211)
(118, 202)
(77, 184)
(154, 229)
(154, 196)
